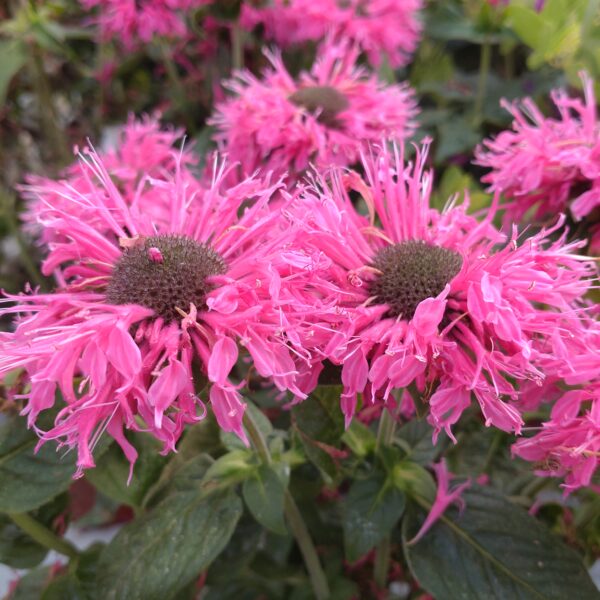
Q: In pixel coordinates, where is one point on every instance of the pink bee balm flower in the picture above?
(380, 27)
(280, 124)
(141, 151)
(132, 21)
(568, 444)
(548, 165)
(436, 302)
(141, 302)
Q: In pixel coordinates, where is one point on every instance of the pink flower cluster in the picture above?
(389, 28)
(132, 21)
(545, 165)
(145, 291)
(438, 304)
(280, 124)
(169, 285)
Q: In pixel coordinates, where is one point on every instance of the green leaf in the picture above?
(14, 57)
(320, 423)
(87, 566)
(527, 24)
(359, 438)
(112, 471)
(456, 136)
(264, 495)
(28, 479)
(414, 480)
(17, 549)
(32, 584)
(371, 509)
(319, 416)
(231, 467)
(65, 587)
(494, 549)
(417, 435)
(159, 553)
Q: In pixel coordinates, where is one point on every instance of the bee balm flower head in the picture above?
(437, 302)
(141, 304)
(280, 124)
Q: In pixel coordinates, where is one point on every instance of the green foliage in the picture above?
(264, 494)
(494, 549)
(320, 424)
(564, 34)
(371, 509)
(180, 537)
(29, 479)
(112, 471)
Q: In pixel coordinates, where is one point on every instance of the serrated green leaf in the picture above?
(371, 509)
(28, 479)
(159, 553)
(494, 549)
(264, 495)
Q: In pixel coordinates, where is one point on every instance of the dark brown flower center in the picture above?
(164, 272)
(411, 272)
(324, 99)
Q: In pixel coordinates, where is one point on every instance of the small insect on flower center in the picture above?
(164, 272)
(411, 272)
(325, 99)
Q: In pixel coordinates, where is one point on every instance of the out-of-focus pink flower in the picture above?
(568, 444)
(380, 27)
(279, 124)
(548, 165)
(443, 499)
(142, 151)
(142, 300)
(438, 304)
(132, 21)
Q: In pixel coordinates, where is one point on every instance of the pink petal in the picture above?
(223, 357)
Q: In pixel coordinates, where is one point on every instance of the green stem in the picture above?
(256, 438)
(485, 62)
(381, 567)
(293, 517)
(42, 535)
(307, 548)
